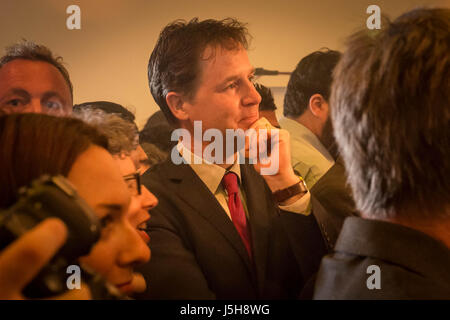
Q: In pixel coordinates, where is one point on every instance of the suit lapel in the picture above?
(195, 194)
(257, 204)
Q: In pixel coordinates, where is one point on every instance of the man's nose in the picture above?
(149, 200)
(251, 97)
(34, 106)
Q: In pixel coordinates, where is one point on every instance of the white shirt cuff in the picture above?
(300, 206)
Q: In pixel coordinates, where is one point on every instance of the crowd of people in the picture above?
(362, 185)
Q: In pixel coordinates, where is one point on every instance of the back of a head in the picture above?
(157, 131)
(107, 107)
(313, 75)
(267, 101)
(174, 62)
(157, 118)
(391, 116)
(36, 144)
(122, 135)
(154, 153)
(28, 50)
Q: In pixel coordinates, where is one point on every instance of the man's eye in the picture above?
(14, 103)
(53, 105)
(232, 86)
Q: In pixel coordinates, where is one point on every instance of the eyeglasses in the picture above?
(133, 181)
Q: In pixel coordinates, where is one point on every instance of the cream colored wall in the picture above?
(107, 58)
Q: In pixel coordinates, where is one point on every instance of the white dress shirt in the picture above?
(212, 174)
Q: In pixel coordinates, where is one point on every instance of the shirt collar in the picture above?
(298, 131)
(210, 173)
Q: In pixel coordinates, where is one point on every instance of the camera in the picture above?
(55, 197)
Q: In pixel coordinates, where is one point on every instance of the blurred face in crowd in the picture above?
(33, 86)
(140, 160)
(138, 215)
(120, 248)
(146, 199)
(226, 97)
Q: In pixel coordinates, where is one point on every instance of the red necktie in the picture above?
(236, 209)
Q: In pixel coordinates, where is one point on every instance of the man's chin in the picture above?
(245, 123)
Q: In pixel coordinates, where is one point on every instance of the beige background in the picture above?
(107, 58)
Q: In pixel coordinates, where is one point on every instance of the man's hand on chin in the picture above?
(276, 146)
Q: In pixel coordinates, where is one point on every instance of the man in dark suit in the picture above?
(390, 112)
(219, 229)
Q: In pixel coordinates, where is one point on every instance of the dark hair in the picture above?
(174, 62)
(313, 75)
(29, 50)
(108, 107)
(391, 116)
(157, 131)
(267, 101)
(37, 144)
(154, 153)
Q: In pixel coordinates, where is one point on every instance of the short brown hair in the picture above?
(391, 115)
(36, 144)
(267, 100)
(174, 62)
(29, 50)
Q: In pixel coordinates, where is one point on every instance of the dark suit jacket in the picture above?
(335, 198)
(331, 203)
(197, 252)
(412, 264)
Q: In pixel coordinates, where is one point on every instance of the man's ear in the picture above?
(318, 106)
(176, 102)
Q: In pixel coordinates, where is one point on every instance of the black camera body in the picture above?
(51, 197)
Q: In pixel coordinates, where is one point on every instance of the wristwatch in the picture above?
(286, 193)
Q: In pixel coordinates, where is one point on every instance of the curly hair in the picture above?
(122, 135)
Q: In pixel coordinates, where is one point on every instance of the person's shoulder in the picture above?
(350, 277)
(366, 264)
(158, 175)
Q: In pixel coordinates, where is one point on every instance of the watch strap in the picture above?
(286, 193)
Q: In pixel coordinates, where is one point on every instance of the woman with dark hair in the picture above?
(34, 144)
